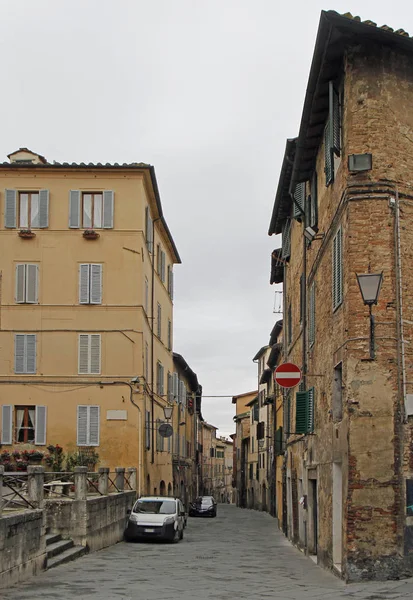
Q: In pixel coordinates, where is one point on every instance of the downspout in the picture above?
(152, 345)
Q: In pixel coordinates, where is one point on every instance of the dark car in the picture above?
(204, 506)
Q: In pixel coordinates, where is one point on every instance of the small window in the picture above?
(89, 354)
(90, 284)
(91, 210)
(88, 425)
(338, 393)
(159, 379)
(27, 210)
(26, 283)
(169, 335)
(25, 353)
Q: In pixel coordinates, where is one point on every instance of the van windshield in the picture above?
(155, 507)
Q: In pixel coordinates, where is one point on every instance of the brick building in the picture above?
(344, 206)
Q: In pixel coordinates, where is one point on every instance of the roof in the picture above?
(41, 158)
(260, 353)
(235, 398)
(208, 425)
(275, 332)
(282, 203)
(192, 378)
(253, 401)
(274, 355)
(55, 166)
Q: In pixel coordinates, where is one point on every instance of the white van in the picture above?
(157, 517)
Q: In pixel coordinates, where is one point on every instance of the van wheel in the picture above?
(176, 537)
(181, 537)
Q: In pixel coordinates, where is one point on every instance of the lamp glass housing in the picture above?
(167, 411)
(370, 285)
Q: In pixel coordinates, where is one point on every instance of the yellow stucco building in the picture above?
(86, 315)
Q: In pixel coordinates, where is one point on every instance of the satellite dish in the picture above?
(165, 430)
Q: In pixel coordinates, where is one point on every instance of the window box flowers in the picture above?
(90, 234)
(33, 456)
(26, 233)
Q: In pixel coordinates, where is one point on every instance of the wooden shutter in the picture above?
(311, 315)
(288, 413)
(95, 353)
(40, 426)
(32, 273)
(43, 209)
(334, 117)
(20, 284)
(95, 284)
(82, 425)
(337, 266)
(159, 321)
(313, 216)
(84, 286)
(148, 229)
(31, 353)
(7, 424)
(169, 388)
(108, 209)
(158, 259)
(83, 353)
(286, 239)
(328, 154)
(10, 211)
(301, 412)
(94, 422)
(74, 209)
(299, 201)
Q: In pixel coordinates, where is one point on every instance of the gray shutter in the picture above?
(83, 353)
(328, 154)
(314, 202)
(84, 287)
(96, 284)
(94, 414)
(171, 293)
(162, 266)
(286, 239)
(20, 283)
(40, 426)
(43, 209)
(334, 109)
(95, 353)
(31, 353)
(299, 201)
(32, 272)
(82, 423)
(74, 209)
(10, 211)
(19, 353)
(7, 424)
(108, 209)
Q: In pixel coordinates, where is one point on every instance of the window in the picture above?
(160, 260)
(169, 335)
(338, 393)
(159, 438)
(90, 284)
(304, 411)
(260, 430)
(26, 210)
(159, 379)
(251, 471)
(88, 425)
(252, 444)
(26, 283)
(311, 315)
(312, 217)
(182, 393)
(25, 353)
(337, 278)
(26, 426)
(169, 389)
(332, 133)
(255, 411)
(159, 321)
(148, 230)
(148, 430)
(91, 210)
(170, 282)
(299, 201)
(175, 387)
(89, 353)
(279, 446)
(286, 239)
(146, 295)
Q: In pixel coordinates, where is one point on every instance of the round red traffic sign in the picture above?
(287, 375)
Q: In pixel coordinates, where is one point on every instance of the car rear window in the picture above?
(155, 507)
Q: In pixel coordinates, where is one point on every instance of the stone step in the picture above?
(66, 556)
(58, 547)
(51, 538)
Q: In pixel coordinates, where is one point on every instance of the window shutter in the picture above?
(94, 414)
(148, 229)
(40, 426)
(334, 109)
(74, 209)
(301, 412)
(279, 442)
(84, 274)
(314, 202)
(163, 267)
(108, 209)
(310, 410)
(95, 353)
(286, 239)
(299, 201)
(311, 316)
(20, 283)
(83, 353)
(169, 388)
(32, 272)
(82, 419)
(171, 293)
(10, 209)
(19, 353)
(96, 284)
(43, 209)
(337, 264)
(31, 353)
(328, 154)
(7, 424)
(175, 387)
(288, 415)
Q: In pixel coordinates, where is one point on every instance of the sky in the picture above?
(207, 91)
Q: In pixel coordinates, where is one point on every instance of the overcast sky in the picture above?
(205, 90)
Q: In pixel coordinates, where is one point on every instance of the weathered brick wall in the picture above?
(22, 546)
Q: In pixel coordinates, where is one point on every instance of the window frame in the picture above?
(89, 337)
(159, 321)
(26, 289)
(82, 209)
(88, 442)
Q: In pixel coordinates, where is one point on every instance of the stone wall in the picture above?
(22, 546)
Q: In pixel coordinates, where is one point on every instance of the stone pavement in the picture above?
(239, 555)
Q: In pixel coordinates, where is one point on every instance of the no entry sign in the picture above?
(287, 375)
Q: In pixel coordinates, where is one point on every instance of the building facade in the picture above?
(241, 440)
(344, 208)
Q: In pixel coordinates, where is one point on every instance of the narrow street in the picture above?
(240, 554)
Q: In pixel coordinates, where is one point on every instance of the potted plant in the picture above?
(54, 459)
(26, 233)
(21, 465)
(16, 454)
(90, 234)
(5, 457)
(34, 456)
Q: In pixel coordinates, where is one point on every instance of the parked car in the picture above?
(204, 506)
(156, 517)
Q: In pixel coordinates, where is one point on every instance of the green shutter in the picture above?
(279, 442)
(313, 216)
(328, 154)
(310, 410)
(301, 416)
(299, 201)
(286, 239)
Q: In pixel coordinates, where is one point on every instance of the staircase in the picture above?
(61, 551)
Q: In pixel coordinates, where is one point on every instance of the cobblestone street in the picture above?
(240, 554)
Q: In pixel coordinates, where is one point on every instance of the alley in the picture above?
(240, 554)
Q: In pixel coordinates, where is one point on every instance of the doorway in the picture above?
(313, 516)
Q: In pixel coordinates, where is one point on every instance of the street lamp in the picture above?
(370, 285)
(167, 411)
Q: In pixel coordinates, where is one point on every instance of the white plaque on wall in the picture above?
(116, 415)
